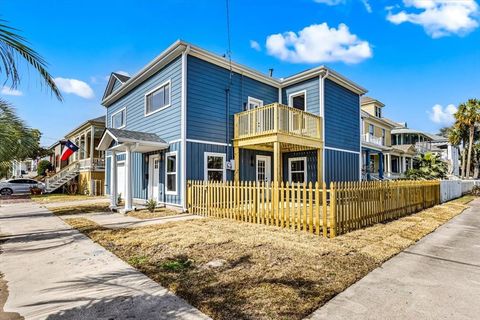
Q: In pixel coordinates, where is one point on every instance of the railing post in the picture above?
(333, 210)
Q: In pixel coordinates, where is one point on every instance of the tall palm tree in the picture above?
(458, 135)
(12, 46)
(468, 114)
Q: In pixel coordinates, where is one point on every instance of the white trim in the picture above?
(321, 93)
(305, 171)
(124, 118)
(183, 133)
(254, 100)
(280, 95)
(169, 83)
(342, 150)
(171, 193)
(295, 94)
(210, 142)
(151, 169)
(261, 156)
(362, 124)
(205, 163)
(175, 141)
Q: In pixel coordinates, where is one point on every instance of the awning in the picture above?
(119, 139)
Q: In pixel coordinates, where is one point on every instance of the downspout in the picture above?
(183, 133)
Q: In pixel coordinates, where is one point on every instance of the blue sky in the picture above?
(411, 54)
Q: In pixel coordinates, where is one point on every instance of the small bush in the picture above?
(43, 166)
(151, 205)
(119, 198)
(476, 191)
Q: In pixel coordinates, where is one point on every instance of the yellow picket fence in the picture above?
(343, 207)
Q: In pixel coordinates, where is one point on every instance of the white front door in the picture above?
(121, 179)
(264, 172)
(154, 177)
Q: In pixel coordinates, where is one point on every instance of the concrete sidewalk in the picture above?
(437, 278)
(55, 272)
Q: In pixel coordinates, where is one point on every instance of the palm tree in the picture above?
(468, 114)
(12, 46)
(458, 135)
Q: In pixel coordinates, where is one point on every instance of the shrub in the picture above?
(476, 191)
(151, 205)
(119, 198)
(43, 166)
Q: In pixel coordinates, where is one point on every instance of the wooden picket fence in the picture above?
(314, 208)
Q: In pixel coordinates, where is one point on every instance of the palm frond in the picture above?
(12, 45)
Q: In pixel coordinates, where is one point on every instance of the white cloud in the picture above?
(367, 6)
(443, 116)
(319, 43)
(330, 2)
(439, 17)
(75, 86)
(255, 45)
(11, 92)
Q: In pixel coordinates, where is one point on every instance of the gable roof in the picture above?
(368, 100)
(121, 77)
(179, 47)
(143, 141)
(98, 120)
(114, 77)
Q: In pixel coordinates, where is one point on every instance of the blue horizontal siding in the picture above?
(311, 156)
(342, 117)
(165, 123)
(341, 166)
(312, 90)
(196, 159)
(207, 99)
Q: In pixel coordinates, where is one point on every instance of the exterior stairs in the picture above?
(62, 177)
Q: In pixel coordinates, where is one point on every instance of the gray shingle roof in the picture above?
(135, 135)
(98, 119)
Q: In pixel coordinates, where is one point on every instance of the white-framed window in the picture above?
(378, 112)
(215, 166)
(171, 166)
(297, 169)
(119, 118)
(158, 98)
(371, 129)
(298, 100)
(253, 103)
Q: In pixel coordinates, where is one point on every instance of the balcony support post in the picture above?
(320, 166)
(277, 158)
(236, 158)
(113, 180)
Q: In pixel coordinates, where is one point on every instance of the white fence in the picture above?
(452, 189)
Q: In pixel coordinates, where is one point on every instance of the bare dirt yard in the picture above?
(236, 270)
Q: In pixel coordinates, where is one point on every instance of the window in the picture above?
(171, 173)
(254, 103)
(298, 100)
(118, 119)
(371, 129)
(383, 137)
(378, 112)
(158, 99)
(215, 167)
(297, 169)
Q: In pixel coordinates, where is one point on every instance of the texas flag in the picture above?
(68, 150)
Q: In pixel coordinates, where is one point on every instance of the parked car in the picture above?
(19, 186)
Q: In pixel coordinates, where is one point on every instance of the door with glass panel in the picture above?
(263, 171)
(154, 177)
(259, 116)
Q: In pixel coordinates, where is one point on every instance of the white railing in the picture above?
(88, 164)
(277, 118)
(369, 138)
(74, 167)
(423, 147)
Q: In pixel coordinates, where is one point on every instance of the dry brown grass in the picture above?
(79, 209)
(58, 197)
(270, 273)
(159, 212)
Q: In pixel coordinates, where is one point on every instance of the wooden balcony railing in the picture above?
(277, 118)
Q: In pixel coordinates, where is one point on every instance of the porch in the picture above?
(278, 129)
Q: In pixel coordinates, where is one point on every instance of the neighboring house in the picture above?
(24, 169)
(86, 167)
(447, 152)
(191, 115)
(382, 156)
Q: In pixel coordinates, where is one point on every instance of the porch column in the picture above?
(92, 181)
(92, 143)
(411, 163)
(320, 166)
(277, 158)
(389, 164)
(128, 178)
(404, 164)
(367, 163)
(236, 158)
(113, 180)
(380, 165)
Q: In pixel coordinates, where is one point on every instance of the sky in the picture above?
(421, 58)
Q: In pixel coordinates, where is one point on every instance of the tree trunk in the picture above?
(462, 174)
(470, 146)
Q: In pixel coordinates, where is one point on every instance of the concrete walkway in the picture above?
(437, 278)
(55, 272)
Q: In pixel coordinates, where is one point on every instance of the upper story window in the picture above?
(254, 103)
(378, 112)
(298, 100)
(371, 129)
(158, 98)
(118, 118)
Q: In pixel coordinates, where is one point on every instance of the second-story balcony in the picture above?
(369, 138)
(278, 123)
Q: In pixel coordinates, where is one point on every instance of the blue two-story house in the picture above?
(193, 115)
